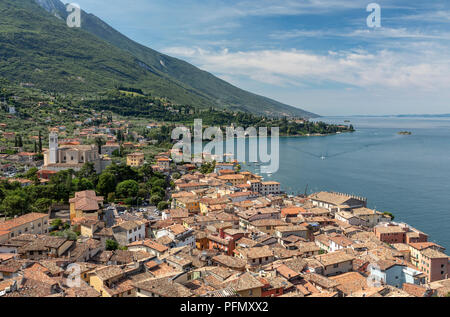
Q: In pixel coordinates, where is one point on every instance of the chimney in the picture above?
(221, 233)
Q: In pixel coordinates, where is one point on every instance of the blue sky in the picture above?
(319, 55)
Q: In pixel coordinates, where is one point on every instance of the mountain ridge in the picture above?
(139, 65)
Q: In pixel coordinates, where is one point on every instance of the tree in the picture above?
(40, 142)
(158, 191)
(111, 245)
(129, 188)
(56, 223)
(14, 205)
(106, 184)
(42, 204)
(146, 172)
(81, 184)
(88, 171)
(389, 214)
(99, 142)
(155, 199)
(163, 205)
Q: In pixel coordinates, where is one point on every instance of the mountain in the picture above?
(36, 46)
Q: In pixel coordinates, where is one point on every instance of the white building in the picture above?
(129, 231)
(179, 234)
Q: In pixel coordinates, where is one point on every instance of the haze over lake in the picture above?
(407, 175)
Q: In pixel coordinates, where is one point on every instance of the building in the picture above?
(349, 218)
(434, 264)
(390, 234)
(256, 256)
(135, 159)
(86, 204)
(179, 235)
(111, 281)
(268, 188)
(161, 287)
(370, 216)
(233, 179)
(334, 263)
(163, 163)
(110, 147)
(148, 246)
(223, 166)
(33, 223)
(129, 231)
(282, 232)
(189, 203)
(337, 201)
(394, 274)
(246, 285)
(72, 156)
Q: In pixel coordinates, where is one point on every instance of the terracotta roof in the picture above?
(245, 281)
(164, 287)
(12, 223)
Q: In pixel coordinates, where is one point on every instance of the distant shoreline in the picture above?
(445, 115)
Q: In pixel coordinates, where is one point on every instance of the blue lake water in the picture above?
(405, 175)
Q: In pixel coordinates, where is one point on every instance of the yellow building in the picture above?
(85, 204)
(135, 159)
(110, 281)
(234, 179)
(191, 204)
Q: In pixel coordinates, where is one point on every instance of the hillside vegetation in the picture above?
(37, 48)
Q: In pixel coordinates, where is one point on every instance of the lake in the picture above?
(407, 175)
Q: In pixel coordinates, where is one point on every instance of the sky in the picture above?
(318, 55)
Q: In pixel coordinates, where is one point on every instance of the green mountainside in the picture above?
(37, 47)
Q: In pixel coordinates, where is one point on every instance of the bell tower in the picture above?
(53, 146)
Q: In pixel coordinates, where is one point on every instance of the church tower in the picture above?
(53, 146)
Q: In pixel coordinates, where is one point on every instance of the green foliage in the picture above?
(41, 49)
(42, 205)
(56, 223)
(67, 233)
(80, 184)
(163, 205)
(127, 189)
(111, 245)
(122, 172)
(389, 214)
(207, 167)
(155, 199)
(14, 205)
(106, 184)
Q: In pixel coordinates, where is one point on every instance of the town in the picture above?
(199, 230)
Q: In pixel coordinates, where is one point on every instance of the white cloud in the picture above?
(425, 69)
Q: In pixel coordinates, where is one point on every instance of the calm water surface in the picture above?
(406, 175)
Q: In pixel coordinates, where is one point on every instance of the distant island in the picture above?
(405, 133)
